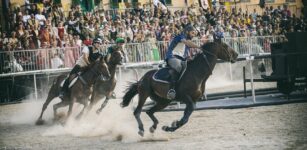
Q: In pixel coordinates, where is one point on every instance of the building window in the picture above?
(168, 2)
(270, 1)
(290, 1)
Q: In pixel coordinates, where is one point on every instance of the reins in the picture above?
(206, 59)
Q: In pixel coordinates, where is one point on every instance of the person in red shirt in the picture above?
(87, 41)
(61, 31)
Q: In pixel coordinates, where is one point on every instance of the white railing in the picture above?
(38, 59)
(253, 45)
(41, 60)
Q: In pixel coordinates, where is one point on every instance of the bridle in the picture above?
(227, 52)
(206, 59)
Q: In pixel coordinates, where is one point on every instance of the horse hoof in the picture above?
(98, 111)
(165, 128)
(141, 133)
(152, 129)
(175, 124)
(78, 117)
(39, 122)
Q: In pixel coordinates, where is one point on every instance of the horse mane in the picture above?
(209, 46)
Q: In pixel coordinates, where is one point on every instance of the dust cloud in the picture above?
(113, 123)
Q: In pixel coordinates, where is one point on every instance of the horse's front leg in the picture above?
(187, 113)
(103, 105)
(159, 105)
(85, 104)
(71, 105)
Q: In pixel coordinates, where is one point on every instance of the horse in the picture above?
(190, 87)
(105, 88)
(79, 91)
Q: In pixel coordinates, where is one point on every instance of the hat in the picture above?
(120, 40)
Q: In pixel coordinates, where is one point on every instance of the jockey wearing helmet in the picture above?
(119, 46)
(177, 54)
(89, 56)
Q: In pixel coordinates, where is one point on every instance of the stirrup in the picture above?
(61, 95)
(171, 94)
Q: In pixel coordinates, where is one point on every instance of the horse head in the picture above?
(221, 51)
(116, 57)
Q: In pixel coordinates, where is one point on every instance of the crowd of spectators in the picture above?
(47, 25)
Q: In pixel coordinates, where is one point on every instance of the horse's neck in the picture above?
(202, 68)
(112, 70)
(89, 76)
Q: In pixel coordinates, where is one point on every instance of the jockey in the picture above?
(118, 47)
(177, 54)
(89, 56)
(120, 42)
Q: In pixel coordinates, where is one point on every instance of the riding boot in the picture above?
(171, 94)
(64, 89)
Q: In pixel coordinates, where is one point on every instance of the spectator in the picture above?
(13, 40)
(40, 18)
(87, 41)
(56, 61)
(26, 17)
(45, 35)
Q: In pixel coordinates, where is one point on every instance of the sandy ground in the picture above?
(268, 127)
(271, 127)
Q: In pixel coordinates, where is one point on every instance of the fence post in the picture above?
(251, 58)
(35, 87)
(230, 71)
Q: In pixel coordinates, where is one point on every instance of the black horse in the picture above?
(105, 88)
(80, 90)
(189, 88)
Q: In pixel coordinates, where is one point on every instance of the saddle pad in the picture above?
(162, 75)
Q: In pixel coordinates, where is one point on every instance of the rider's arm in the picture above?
(189, 43)
(85, 58)
(85, 54)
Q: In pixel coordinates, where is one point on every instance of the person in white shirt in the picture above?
(41, 18)
(26, 17)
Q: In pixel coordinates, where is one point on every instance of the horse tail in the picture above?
(131, 92)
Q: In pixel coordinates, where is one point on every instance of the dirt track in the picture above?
(269, 127)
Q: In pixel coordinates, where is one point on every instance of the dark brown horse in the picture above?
(80, 90)
(105, 88)
(189, 88)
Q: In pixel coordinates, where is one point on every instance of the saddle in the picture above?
(163, 75)
(167, 74)
(73, 80)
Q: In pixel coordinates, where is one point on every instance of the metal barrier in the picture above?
(38, 59)
(253, 45)
(55, 58)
